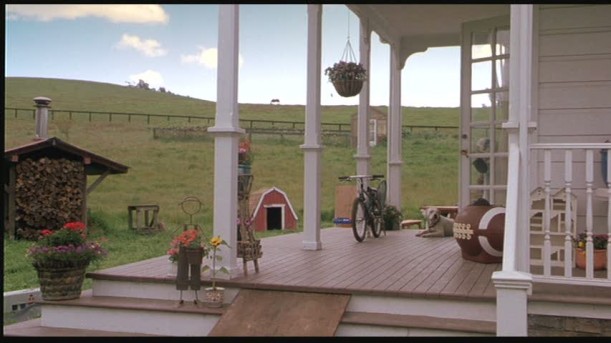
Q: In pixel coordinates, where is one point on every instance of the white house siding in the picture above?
(574, 92)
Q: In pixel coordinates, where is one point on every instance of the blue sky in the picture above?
(174, 46)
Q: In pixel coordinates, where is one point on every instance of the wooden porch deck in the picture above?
(398, 264)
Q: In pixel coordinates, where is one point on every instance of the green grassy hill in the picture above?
(105, 97)
(165, 171)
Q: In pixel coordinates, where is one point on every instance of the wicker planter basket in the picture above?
(250, 250)
(59, 282)
(348, 88)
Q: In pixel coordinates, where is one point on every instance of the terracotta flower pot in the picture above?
(600, 258)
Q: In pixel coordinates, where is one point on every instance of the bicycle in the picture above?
(367, 206)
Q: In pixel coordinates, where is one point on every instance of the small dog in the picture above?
(436, 224)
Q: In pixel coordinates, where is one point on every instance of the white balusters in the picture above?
(589, 179)
(563, 191)
(547, 244)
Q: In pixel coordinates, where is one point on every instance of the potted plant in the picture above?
(245, 156)
(347, 77)
(61, 257)
(213, 296)
(391, 216)
(599, 241)
(189, 240)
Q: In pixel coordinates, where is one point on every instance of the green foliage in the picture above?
(65, 246)
(391, 216)
(164, 172)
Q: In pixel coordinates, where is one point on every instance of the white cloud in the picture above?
(149, 47)
(207, 58)
(153, 78)
(140, 14)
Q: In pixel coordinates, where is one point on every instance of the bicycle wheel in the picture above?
(359, 220)
(381, 190)
(376, 228)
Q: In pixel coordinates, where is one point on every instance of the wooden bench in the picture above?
(409, 222)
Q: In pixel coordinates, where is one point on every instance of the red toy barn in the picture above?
(272, 210)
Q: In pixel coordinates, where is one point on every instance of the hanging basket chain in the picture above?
(348, 54)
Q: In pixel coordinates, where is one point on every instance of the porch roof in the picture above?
(418, 27)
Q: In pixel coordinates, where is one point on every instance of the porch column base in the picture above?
(308, 245)
(512, 290)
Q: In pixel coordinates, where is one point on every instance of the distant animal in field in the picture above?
(275, 102)
(436, 224)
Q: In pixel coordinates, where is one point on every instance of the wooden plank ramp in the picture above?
(280, 313)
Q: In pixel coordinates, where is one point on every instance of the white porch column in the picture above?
(312, 148)
(226, 133)
(362, 156)
(394, 131)
(513, 283)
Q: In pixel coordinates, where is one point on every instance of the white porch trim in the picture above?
(394, 131)
(363, 157)
(226, 134)
(312, 149)
(513, 282)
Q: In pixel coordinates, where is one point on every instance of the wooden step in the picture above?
(33, 328)
(130, 315)
(420, 322)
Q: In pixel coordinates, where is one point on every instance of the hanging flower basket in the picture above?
(348, 88)
(346, 75)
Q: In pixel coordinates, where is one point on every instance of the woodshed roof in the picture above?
(54, 147)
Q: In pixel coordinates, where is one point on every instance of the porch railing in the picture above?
(567, 179)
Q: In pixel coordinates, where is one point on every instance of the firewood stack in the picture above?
(49, 193)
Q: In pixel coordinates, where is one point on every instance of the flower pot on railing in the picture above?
(600, 258)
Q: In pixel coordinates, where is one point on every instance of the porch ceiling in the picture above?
(423, 26)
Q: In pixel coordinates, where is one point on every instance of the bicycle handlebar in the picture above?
(361, 177)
